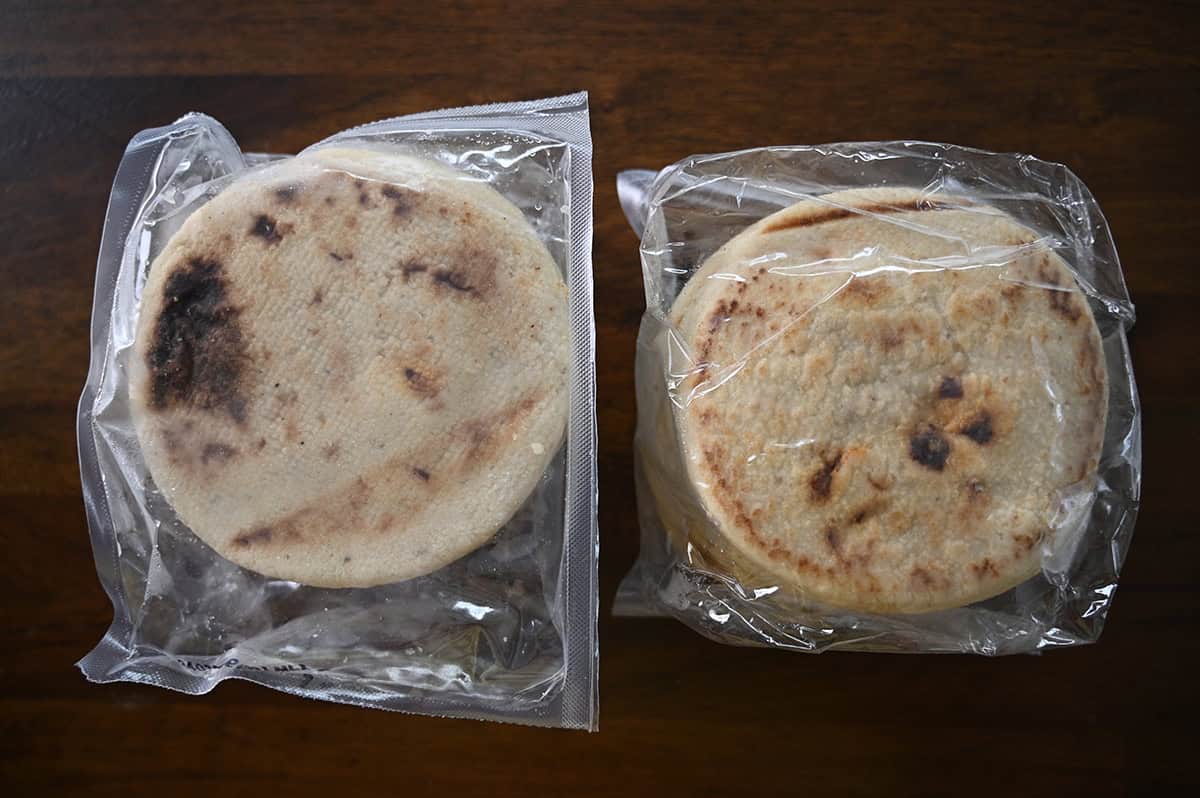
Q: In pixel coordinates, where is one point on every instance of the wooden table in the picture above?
(1111, 92)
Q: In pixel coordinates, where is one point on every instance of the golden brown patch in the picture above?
(985, 568)
(884, 482)
(1012, 292)
(864, 291)
(834, 214)
(1061, 300)
(921, 579)
(893, 334)
(483, 436)
(984, 304)
(1024, 543)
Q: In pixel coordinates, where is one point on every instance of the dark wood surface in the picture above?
(1111, 91)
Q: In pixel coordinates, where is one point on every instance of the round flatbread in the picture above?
(890, 394)
(351, 367)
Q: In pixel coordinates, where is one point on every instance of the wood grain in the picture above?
(1113, 90)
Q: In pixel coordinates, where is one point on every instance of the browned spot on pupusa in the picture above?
(284, 530)
(880, 482)
(820, 483)
(291, 430)
(979, 428)
(1024, 543)
(360, 493)
(1062, 300)
(412, 267)
(985, 568)
(866, 512)
(331, 451)
(198, 357)
(423, 383)
(983, 304)
(217, 453)
(386, 522)
(834, 214)
(928, 447)
(267, 229)
(921, 578)
(951, 388)
(721, 314)
(864, 291)
(260, 444)
(1012, 292)
(262, 534)
(340, 258)
(833, 539)
(893, 334)
(421, 474)
(1063, 303)
(318, 297)
(455, 280)
(286, 194)
(401, 198)
(483, 434)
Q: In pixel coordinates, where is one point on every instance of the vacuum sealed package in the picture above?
(885, 400)
(338, 435)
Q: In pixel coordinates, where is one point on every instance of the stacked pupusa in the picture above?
(888, 394)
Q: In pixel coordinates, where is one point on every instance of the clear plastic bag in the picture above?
(505, 632)
(847, 349)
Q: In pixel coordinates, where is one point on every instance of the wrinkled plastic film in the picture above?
(506, 632)
(688, 568)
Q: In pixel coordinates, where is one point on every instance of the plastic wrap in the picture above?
(505, 632)
(883, 418)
